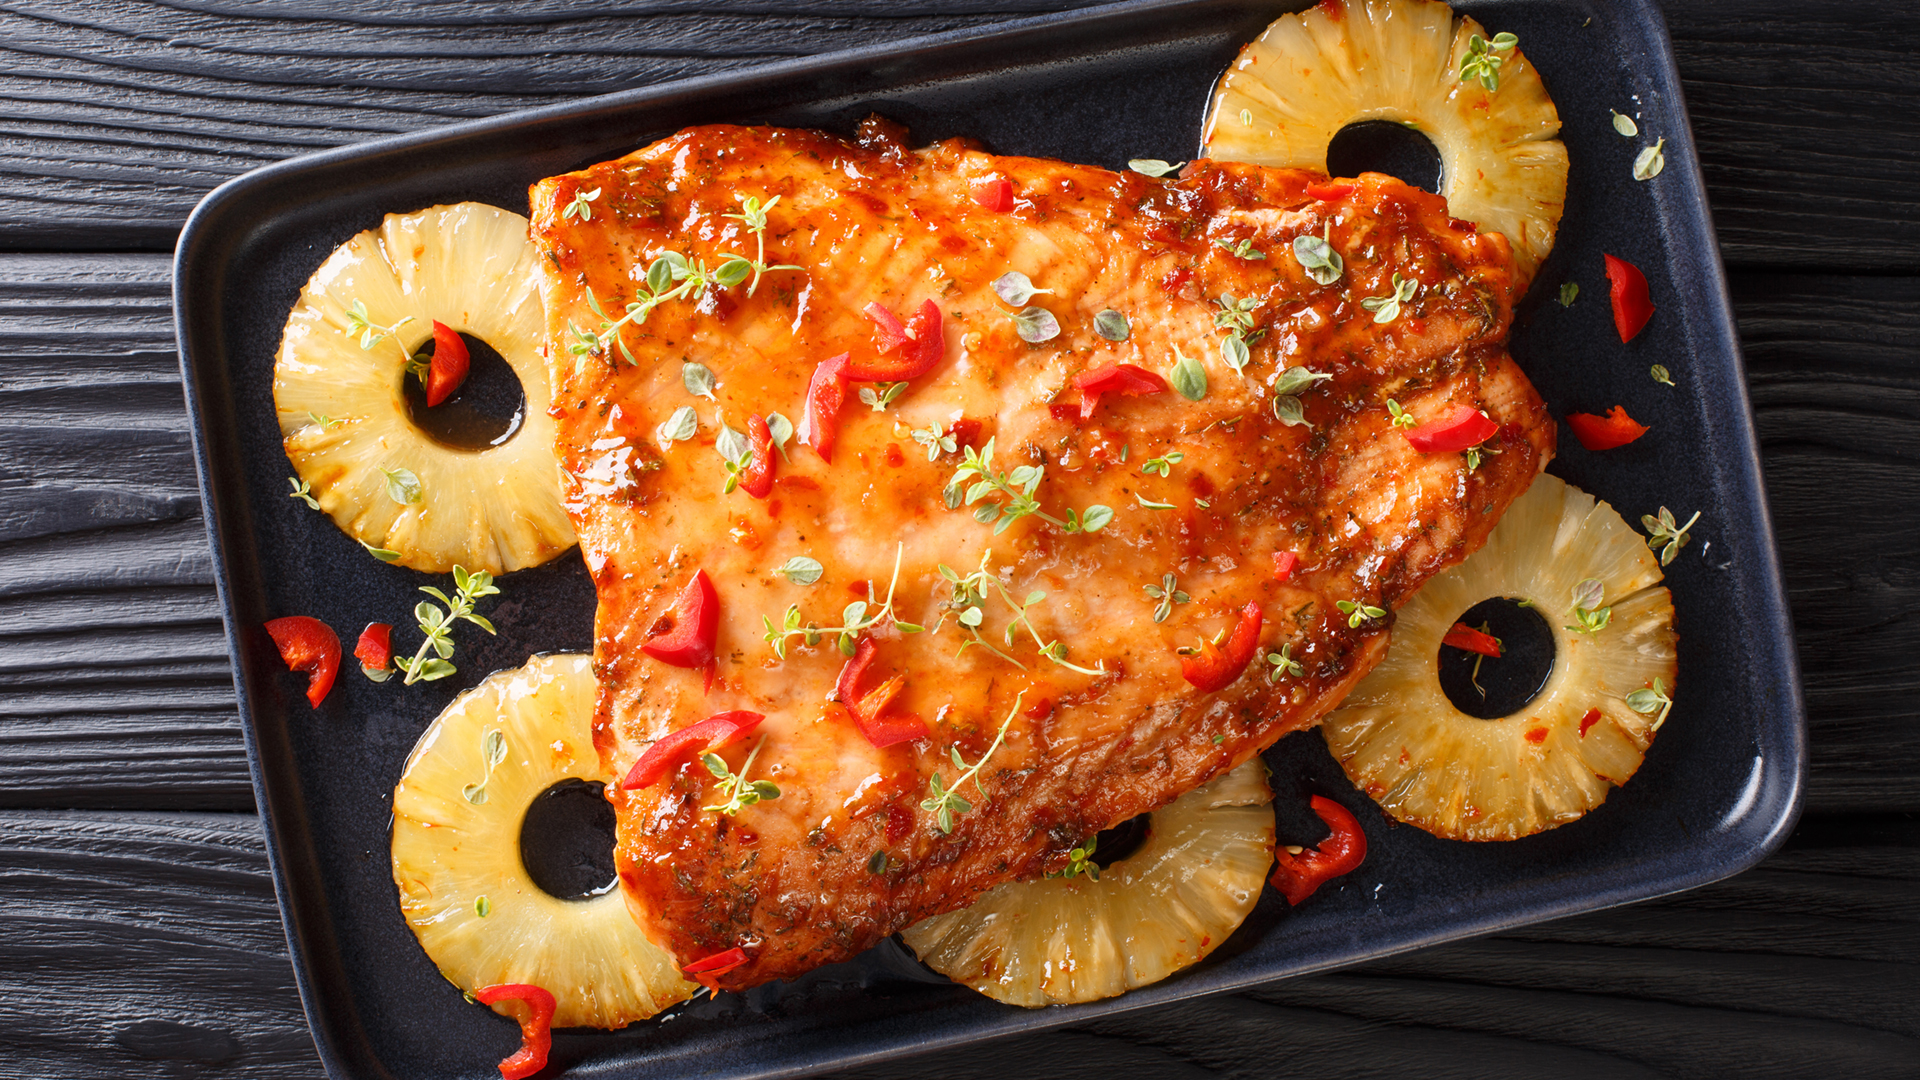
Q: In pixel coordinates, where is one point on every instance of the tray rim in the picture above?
(327, 1002)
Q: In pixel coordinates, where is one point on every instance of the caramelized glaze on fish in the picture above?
(851, 851)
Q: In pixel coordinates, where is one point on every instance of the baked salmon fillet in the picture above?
(962, 664)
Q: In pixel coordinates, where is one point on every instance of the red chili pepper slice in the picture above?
(1283, 565)
(907, 352)
(1458, 428)
(1605, 432)
(868, 708)
(1298, 876)
(1632, 307)
(374, 650)
(1591, 718)
(448, 369)
(689, 643)
(1331, 190)
(716, 731)
(1127, 379)
(826, 392)
(1213, 668)
(707, 970)
(993, 193)
(757, 479)
(536, 1028)
(1466, 637)
(309, 645)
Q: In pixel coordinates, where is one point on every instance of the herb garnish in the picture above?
(482, 906)
(1284, 664)
(735, 452)
(371, 333)
(327, 423)
(1358, 613)
(1035, 324)
(1401, 417)
(1162, 465)
(1386, 307)
(1168, 594)
(1588, 615)
(699, 379)
(1482, 59)
(1112, 325)
(1018, 487)
(970, 592)
(946, 803)
(1243, 249)
(1290, 410)
(681, 426)
(493, 747)
(1664, 535)
(1651, 161)
(582, 206)
(854, 620)
(403, 486)
(739, 791)
(302, 491)
(1316, 256)
(1661, 375)
(801, 570)
(937, 438)
(437, 625)
(1297, 379)
(1569, 290)
(754, 215)
(383, 554)
(881, 395)
(1016, 288)
(1153, 166)
(1648, 701)
(1080, 861)
(1624, 124)
(1188, 376)
(1236, 318)
(1149, 504)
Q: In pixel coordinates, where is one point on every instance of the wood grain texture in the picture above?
(105, 914)
(118, 116)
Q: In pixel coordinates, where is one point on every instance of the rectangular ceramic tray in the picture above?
(1718, 790)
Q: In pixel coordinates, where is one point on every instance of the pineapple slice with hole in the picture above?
(1308, 75)
(1166, 906)
(1454, 775)
(456, 853)
(344, 418)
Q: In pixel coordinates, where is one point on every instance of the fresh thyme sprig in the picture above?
(437, 624)
(1016, 487)
(1358, 613)
(1482, 59)
(945, 803)
(1244, 249)
(739, 791)
(970, 593)
(1401, 417)
(1283, 664)
(372, 333)
(1588, 614)
(1236, 318)
(1386, 307)
(582, 206)
(1161, 465)
(1080, 861)
(302, 491)
(753, 214)
(937, 438)
(691, 274)
(881, 395)
(1646, 702)
(1168, 594)
(493, 746)
(1664, 536)
(854, 620)
(1316, 256)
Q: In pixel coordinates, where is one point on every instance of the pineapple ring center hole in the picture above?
(484, 412)
(1384, 146)
(1504, 686)
(566, 840)
(1122, 840)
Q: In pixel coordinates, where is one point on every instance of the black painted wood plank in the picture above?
(106, 918)
(118, 116)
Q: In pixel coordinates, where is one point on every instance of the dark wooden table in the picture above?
(138, 933)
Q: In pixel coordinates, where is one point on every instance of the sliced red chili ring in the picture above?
(1466, 637)
(536, 1029)
(689, 642)
(448, 368)
(906, 352)
(1460, 427)
(757, 479)
(1129, 380)
(826, 393)
(1214, 668)
(309, 645)
(1605, 432)
(1632, 305)
(1300, 876)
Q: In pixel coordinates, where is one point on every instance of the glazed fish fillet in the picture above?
(1254, 513)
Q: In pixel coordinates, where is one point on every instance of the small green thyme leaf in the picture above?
(1150, 504)
(1651, 161)
(681, 426)
(1015, 288)
(1661, 375)
(699, 379)
(1112, 325)
(482, 906)
(1665, 536)
(302, 491)
(1316, 256)
(1290, 410)
(1568, 292)
(1035, 325)
(1188, 376)
(880, 396)
(1152, 166)
(582, 206)
(801, 570)
(403, 486)
(1648, 701)
(1624, 125)
(383, 554)
(1295, 380)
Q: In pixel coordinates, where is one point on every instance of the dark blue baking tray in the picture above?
(1718, 791)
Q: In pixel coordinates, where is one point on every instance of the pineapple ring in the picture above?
(1308, 75)
(450, 851)
(1062, 941)
(1456, 776)
(344, 419)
